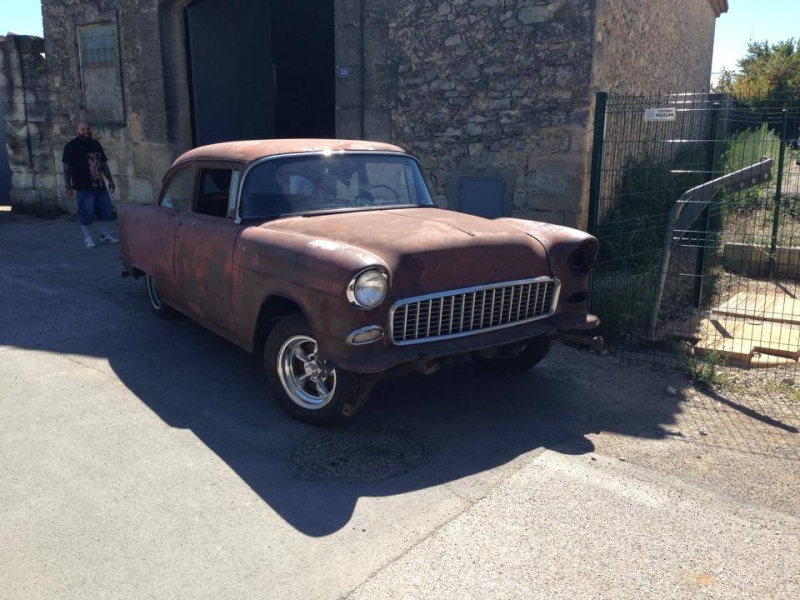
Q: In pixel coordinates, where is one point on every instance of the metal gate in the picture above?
(696, 201)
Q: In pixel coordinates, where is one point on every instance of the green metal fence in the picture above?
(695, 199)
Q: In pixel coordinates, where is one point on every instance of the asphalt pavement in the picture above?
(141, 458)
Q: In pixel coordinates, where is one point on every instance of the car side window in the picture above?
(178, 190)
(215, 186)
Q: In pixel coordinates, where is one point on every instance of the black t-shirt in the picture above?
(85, 158)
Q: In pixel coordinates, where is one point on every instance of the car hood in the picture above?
(428, 249)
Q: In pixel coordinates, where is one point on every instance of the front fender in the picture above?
(310, 272)
(558, 241)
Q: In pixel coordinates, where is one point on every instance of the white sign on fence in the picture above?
(659, 114)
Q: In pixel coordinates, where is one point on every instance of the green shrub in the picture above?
(743, 149)
(705, 371)
(633, 228)
(752, 212)
(623, 301)
(749, 147)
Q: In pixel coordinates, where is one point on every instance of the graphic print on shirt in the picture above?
(94, 168)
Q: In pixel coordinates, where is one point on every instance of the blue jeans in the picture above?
(93, 203)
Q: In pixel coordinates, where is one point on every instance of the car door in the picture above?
(156, 250)
(204, 249)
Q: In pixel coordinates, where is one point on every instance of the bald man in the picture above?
(85, 167)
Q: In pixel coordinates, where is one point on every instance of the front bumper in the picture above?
(383, 355)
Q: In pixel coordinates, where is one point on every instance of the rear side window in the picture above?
(214, 192)
(177, 192)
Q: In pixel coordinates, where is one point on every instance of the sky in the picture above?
(746, 20)
(752, 21)
(21, 16)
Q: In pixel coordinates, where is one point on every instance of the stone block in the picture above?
(21, 200)
(556, 217)
(137, 191)
(149, 160)
(534, 14)
(22, 179)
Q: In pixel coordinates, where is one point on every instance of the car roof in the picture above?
(246, 151)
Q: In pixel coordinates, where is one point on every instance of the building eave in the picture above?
(718, 6)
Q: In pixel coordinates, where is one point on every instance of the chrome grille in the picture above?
(457, 313)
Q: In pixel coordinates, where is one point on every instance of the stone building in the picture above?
(26, 123)
(496, 97)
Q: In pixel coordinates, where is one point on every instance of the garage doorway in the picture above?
(260, 69)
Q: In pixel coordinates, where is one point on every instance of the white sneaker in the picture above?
(107, 238)
(89, 243)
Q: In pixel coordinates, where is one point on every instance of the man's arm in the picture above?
(68, 178)
(107, 172)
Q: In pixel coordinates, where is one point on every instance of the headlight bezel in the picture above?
(364, 282)
(581, 258)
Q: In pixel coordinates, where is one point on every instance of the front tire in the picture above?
(160, 308)
(307, 387)
(516, 358)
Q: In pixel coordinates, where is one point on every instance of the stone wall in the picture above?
(654, 47)
(657, 51)
(497, 88)
(505, 88)
(24, 90)
(137, 146)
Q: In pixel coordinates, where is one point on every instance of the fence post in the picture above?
(702, 254)
(597, 161)
(773, 247)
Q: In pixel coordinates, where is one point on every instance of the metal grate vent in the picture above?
(469, 311)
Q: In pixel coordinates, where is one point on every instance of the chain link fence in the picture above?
(695, 199)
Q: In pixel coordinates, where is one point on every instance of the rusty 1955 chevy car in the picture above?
(330, 257)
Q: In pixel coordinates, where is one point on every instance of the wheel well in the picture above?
(273, 309)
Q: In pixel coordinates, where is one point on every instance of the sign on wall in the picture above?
(659, 114)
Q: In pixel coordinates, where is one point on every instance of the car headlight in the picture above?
(581, 259)
(367, 289)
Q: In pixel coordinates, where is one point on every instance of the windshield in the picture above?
(302, 184)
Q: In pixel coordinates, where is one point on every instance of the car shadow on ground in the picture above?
(415, 433)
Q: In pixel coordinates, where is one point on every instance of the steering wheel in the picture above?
(377, 194)
(384, 194)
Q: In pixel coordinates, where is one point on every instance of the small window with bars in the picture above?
(98, 45)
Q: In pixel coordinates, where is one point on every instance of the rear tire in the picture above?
(160, 308)
(516, 358)
(307, 387)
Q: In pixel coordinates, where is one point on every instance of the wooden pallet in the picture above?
(751, 329)
(776, 303)
(749, 342)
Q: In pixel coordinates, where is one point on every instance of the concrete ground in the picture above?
(145, 459)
